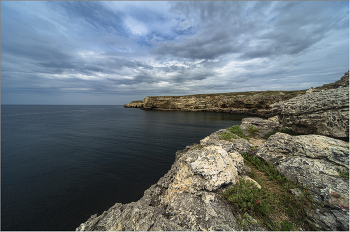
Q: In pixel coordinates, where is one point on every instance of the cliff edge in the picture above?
(193, 195)
(252, 103)
(207, 186)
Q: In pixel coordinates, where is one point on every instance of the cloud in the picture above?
(168, 48)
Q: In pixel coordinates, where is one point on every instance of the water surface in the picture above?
(61, 164)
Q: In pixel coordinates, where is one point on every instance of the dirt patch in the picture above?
(256, 142)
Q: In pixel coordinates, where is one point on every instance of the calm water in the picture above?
(61, 164)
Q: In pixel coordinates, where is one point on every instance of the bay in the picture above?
(61, 164)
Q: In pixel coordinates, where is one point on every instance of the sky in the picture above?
(113, 52)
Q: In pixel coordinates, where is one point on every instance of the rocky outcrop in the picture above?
(314, 161)
(323, 113)
(262, 126)
(344, 81)
(134, 104)
(185, 198)
(253, 103)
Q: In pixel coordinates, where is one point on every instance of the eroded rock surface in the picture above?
(314, 161)
(323, 113)
(253, 103)
(185, 198)
(263, 126)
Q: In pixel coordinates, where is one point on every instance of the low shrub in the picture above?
(247, 196)
(252, 130)
(343, 173)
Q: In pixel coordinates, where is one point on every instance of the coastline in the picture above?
(191, 196)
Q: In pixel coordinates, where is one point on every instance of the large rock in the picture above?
(323, 113)
(314, 161)
(263, 126)
(240, 145)
(185, 198)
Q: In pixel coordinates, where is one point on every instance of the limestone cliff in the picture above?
(253, 103)
(323, 111)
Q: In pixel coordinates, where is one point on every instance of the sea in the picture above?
(60, 164)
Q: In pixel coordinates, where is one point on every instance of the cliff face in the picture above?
(322, 111)
(253, 103)
(183, 199)
(188, 197)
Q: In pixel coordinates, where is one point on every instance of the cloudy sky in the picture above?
(116, 52)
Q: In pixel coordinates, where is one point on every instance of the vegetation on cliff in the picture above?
(273, 205)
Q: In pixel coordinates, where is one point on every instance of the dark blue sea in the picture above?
(61, 164)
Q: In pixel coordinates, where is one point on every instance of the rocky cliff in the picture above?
(184, 198)
(190, 196)
(323, 111)
(253, 103)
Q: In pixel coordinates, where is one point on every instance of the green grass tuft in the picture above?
(227, 136)
(252, 130)
(343, 173)
(238, 131)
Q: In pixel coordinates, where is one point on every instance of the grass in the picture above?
(227, 136)
(252, 130)
(273, 205)
(343, 173)
(237, 131)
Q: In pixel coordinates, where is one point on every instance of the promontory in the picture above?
(287, 172)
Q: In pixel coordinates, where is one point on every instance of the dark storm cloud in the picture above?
(158, 48)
